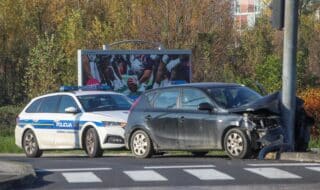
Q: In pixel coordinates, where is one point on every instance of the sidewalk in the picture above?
(15, 173)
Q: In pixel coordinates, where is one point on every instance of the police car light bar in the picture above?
(84, 88)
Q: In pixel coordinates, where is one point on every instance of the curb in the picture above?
(301, 156)
(19, 174)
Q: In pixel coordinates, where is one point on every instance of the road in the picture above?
(169, 172)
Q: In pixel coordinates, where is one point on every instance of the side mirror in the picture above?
(205, 106)
(71, 110)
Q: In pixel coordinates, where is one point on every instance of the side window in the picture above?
(33, 108)
(65, 102)
(191, 98)
(219, 96)
(167, 99)
(49, 104)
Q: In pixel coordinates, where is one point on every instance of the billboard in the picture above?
(133, 71)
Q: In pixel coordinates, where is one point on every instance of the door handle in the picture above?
(181, 119)
(148, 117)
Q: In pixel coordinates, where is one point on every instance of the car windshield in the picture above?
(233, 97)
(104, 102)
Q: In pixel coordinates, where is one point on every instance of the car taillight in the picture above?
(135, 103)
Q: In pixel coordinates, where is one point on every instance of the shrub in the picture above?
(8, 116)
(311, 99)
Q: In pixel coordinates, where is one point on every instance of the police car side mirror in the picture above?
(71, 110)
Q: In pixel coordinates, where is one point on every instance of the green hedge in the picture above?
(8, 115)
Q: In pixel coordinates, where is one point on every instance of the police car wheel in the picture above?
(141, 145)
(92, 144)
(30, 145)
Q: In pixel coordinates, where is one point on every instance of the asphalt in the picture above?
(17, 173)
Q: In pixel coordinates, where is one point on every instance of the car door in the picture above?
(44, 121)
(67, 124)
(162, 119)
(198, 127)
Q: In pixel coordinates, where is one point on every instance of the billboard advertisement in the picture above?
(134, 71)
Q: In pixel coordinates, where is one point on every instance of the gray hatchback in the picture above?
(199, 117)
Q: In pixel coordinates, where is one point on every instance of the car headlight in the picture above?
(114, 124)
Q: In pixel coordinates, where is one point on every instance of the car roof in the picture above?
(78, 93)
(203, 85)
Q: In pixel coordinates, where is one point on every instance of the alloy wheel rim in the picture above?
(90, 142)
(140, 144)
(30, 143)
(235, 144)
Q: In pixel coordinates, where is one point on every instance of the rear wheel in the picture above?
(236, 144)
(141, 144)
(30, 145)
(92, 144)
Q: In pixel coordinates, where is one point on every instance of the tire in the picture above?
(236, 144)
(199, 154)
(92, 143)
(141, 145)
(30, 145)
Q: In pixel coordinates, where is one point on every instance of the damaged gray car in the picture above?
(200, 117)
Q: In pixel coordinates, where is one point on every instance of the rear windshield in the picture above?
(104, 102)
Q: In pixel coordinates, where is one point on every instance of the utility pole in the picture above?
(288, 99)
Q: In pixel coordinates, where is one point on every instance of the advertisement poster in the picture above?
(133, 72)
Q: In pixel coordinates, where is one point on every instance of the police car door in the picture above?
(67, 123)
(42, 121)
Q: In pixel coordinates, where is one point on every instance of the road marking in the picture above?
(314, 168)
(81, 177)
(179, 166)
(273, 173)
(208, 174)
(70, 169)
(145, 175)
(285, 164)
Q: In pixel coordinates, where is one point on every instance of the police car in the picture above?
(89, 120)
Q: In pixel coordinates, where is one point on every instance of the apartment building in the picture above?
(246, 11)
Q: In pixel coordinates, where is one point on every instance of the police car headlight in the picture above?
(114, 124)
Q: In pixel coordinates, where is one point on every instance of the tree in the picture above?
(45, 70)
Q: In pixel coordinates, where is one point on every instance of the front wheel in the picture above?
(236, 144)
(92, 144)
(30, 145)
(141, 144)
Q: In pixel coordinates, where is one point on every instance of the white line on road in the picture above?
(314, 168)
(273, 173)
(208, 174)
(70, 169)
(285, 164)
(179, 166)
(145, 175)
(81, 177)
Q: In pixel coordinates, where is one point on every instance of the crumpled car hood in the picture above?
(269, 103)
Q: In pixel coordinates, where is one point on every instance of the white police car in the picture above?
(89, 120)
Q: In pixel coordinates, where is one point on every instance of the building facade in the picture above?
(246, 11)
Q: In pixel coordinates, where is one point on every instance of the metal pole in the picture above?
(289, 70)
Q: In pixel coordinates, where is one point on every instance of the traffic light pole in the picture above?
(289, 70)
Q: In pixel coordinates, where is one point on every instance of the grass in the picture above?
(314, 143)
(7, 145)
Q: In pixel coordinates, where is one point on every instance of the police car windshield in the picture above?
(104, 102)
